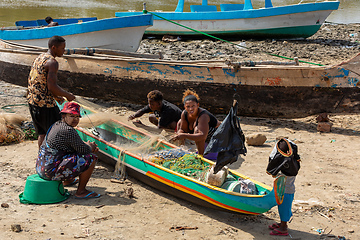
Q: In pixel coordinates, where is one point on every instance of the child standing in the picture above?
(285, 159)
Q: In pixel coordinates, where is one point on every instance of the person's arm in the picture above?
(140, 112)
(52, 67)
(93, 146)
(75, 142)
(184, 126)
(200, 133)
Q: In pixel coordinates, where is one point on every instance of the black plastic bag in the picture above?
(228, 140)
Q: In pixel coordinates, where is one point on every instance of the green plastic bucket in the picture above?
(40, 191)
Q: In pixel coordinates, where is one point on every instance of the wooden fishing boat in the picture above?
(242, 20)
(261, 90)
(116, 139)
(111, 33)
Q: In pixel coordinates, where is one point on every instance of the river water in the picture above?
(15, 10)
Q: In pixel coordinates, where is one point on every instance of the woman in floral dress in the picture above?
(63, 155)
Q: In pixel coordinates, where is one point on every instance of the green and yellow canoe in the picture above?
(116, 140)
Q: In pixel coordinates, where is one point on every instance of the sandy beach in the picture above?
(327, 195)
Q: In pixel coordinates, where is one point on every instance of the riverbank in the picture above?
(326, 199)
(332, 44)
(327, 195)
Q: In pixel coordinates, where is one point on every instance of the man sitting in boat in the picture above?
(196, 123)
(64, 155)
(51, 22)
(162, 113)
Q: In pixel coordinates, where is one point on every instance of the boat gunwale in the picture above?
(196, 63)
(71, 29)
(245, 14)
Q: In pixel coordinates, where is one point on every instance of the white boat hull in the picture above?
(126, 39)
(228, 26)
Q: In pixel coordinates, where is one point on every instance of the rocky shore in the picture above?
(332, 44)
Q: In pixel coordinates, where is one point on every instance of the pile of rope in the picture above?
(29, 130)
(14, 129)
(182, 162)
(10, 131)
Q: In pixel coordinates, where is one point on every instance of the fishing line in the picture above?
(93, 130)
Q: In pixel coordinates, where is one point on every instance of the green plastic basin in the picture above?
(40, 191)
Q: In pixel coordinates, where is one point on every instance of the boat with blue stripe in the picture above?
(242, 20)
(123, 33)
(265, 88)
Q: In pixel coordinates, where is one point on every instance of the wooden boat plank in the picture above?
(265, 91)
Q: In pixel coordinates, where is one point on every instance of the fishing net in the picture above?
(177, 159)
(10, 131)
(180, 161)
(148, 146)
(29, 130)
(191, 165)
(95, 119)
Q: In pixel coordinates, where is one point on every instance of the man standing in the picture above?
(43, 89)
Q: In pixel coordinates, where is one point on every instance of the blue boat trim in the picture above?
(242, 14)
(60, 21)
(77, 28)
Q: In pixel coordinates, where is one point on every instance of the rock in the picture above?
(255, 139)
(16, 227)
(351, 231)
(323, 47)
(324, 126)
(129, 192)
(323, 117)
(4, 205)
